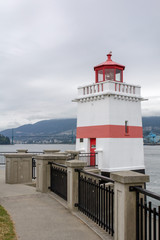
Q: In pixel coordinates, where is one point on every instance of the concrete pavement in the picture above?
(39, 216)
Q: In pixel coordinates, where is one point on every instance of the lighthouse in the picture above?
(109, 120)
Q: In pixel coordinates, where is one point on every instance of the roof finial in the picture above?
(109, 56)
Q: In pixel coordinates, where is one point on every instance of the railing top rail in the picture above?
(145, 192)
(96, 175)
(107, 82)
(58, 164)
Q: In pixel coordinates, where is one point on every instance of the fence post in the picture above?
(125, 203)
(72, 182)
(18, 167)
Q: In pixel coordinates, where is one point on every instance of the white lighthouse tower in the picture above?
(109, 120)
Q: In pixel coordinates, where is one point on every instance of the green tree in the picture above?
(4, 140)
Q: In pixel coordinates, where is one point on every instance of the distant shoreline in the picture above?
(151, 144)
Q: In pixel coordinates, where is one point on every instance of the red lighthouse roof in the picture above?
(109, 63)
(109, 70)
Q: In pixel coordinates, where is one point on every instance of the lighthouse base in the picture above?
(107, 174)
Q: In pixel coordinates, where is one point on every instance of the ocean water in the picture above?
(151, 157)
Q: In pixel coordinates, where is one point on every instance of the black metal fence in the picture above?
(90, 158)
(147, 216)
(59, 179)
(96, 199)
(33, 168)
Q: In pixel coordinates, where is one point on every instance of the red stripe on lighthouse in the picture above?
(109, 131)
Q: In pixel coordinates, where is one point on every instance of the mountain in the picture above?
(46, 131)
(62, 130)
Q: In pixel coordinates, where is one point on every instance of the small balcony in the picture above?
(109, 87)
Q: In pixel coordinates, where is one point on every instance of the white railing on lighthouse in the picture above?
(109, 86)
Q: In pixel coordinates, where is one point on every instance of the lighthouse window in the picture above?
(118, 75)
(100, 75)
(81, 139)
(126, 126)
(109, 74)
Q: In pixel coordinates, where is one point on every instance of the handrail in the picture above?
(57, 164)
(108, 81)
(95, 175)
(145, 192)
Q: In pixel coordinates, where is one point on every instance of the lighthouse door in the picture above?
(92, 151)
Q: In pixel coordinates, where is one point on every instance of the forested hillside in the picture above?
(62, 131)
(47, 131)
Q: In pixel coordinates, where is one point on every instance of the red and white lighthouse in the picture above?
(109, 120)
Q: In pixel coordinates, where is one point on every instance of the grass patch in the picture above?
(7, 231)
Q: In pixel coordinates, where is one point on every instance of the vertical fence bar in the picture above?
(101, 206)
(141, 224)
(51, 177)
(83, 199)
(85, 195)
(94, 202)
(104, 207)
(150, 221)
(79, 189)
(137, 215)
(97, 195)
(99, 198)
(154, 224)
(89, 199)
(109, 210)
(112, 211)
(145, 219)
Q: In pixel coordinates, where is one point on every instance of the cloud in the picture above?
(48, 49)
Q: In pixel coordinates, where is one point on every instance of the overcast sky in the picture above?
(48, 48)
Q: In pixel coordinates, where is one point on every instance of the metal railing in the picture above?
(96, 199)
(147, 217)
(59, 179)
(90, 158)
(33, 168)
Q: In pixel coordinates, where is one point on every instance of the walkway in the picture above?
(39, 216)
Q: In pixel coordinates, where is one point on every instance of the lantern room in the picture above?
(109, 71)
